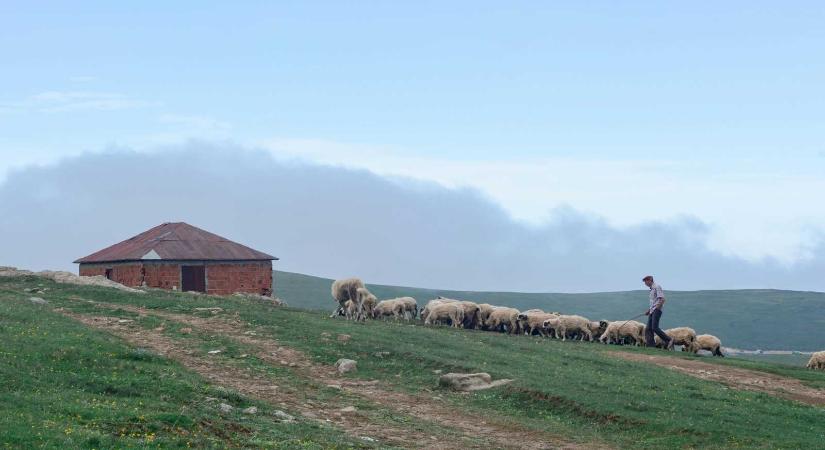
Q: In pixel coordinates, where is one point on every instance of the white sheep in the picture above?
(683, 336)
(366, 302)
(484, 310)
(706, 342)
(502, 318)
(532, 321)
(396, 307)
(451, 312)
(565, 325)
(618, 332)
(817, 361)
(471, 310)
(343, 290)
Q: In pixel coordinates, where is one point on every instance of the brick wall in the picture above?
(228, 278)
(125, 274)
(221, 278)
(161, 275)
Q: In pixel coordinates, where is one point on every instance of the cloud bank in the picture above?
(335, 222)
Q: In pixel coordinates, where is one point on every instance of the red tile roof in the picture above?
(176, 241)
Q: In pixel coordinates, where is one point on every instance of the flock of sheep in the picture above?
(356, 302)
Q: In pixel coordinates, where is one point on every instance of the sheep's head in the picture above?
(522, 316)
(550, 323)
(603, 325)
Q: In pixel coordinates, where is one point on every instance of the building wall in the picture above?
(228, 278)
(222, 278)
(127, 274)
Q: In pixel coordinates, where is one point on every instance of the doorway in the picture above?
(193, 278)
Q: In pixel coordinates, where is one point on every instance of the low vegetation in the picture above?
(70, 386)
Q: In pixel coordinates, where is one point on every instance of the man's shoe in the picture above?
(670, 345)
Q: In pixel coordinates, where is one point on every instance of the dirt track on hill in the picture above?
(735, 377)
(469, 429)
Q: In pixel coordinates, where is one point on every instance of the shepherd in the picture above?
(654, 313)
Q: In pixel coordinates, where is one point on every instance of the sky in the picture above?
(704, 121)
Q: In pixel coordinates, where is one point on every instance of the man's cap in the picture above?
(647, 277)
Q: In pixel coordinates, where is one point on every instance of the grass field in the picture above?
(68, 386)
(740, 318)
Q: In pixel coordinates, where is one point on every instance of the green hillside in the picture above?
(746, 319)
(100, 368)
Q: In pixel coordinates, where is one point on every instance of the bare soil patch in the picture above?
(735, 377)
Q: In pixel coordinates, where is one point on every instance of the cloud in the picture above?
(335, 221)
(73, 101)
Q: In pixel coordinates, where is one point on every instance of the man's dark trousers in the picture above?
(653, 327)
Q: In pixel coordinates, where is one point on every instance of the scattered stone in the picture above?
(225, 408)
(160, 329)
(292, 364)
(186, 330)
(344, 338)
(211, 399)
(125, 321)
(349, 409)
(38, 301)
(213, 310)
(469, 381)
(273, 301)
(368, 439)
(67, 277)
(284, 417)
(381, 354)
(346, 365)
(214, 352)
(326, 334)
(250, 410)
(437, 371)
(243, 356)
(334, 386)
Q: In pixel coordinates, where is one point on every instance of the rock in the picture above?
(469, 381)
(284, 417)
(125, 321)
(250, 410)
(326, 334)
(38, 301)
(344, 338)
(214, 352)
(381, 354)
(349, 409)
(346, 365)
(186, 330)
(437, 371)
(225, 408)
(368, 439)
(334, 386)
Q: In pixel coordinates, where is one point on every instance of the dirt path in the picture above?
(735, 377)
(469, 426)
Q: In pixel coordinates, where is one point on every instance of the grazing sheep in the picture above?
(343, 290)
(484, 310)
(566, 325)
(817, 361)
(621, 331)
(683, 336)
(503, 318)
(410, 307)
(388, 308)
(366, 303)
(431, 304)
(471, 310)
(706, 342)
(597, 328)
(532, 321)
(350, 309)
(450, 312)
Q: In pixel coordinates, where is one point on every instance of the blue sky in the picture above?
(631, 112)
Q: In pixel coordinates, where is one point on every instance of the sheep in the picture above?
(502, 318)
(706, 342)
(430, 304)
(618, 332)
(484, 310)
(683, 336)
(410, 307)
(564, 325)
(532, 321)
(443, 312)
(597, 328)
(817, 361)
(471, 310)
(366, 302)
(343, 290)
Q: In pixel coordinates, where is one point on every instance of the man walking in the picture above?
(654, 313)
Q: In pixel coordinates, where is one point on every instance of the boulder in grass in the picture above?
(38, 301)
(467, 382)
(346, 365)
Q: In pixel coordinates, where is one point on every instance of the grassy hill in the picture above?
(750, 319)
(100, 368)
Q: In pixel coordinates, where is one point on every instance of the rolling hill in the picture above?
(749, 319)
